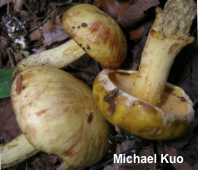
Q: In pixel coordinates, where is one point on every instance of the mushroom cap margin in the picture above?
(140, 118)
(97, 33)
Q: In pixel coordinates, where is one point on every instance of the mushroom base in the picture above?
(170, 120)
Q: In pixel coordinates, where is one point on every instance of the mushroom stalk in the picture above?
(57, 114)
(93, 33)
(16, 151)
(144, 110)
(167, 37)
(58, 57)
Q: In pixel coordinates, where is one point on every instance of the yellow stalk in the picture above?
(16, 151)
(168, 35)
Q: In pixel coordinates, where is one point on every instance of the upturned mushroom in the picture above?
(57, 114)
(142, 102)
(93, 32)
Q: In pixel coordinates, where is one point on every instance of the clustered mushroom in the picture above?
(93, 32)
(57, 114)
(142, 102)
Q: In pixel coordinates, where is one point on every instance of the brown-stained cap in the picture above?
(99, 35)
(172, 119)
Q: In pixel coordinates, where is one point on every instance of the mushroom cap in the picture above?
(170, 120)
(57, 114)
(97, 33)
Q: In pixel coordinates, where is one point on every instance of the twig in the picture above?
(45, 20)
(11, 58)
(8, 7)
(62, 4)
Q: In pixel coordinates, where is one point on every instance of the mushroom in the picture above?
(93, 32)
(142, 102)
(57, 114)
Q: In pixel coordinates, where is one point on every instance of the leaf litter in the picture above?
(48, 32)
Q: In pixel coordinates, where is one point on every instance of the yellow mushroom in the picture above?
(142, 102)
(171, 119)
(93, 32)
(57, 114)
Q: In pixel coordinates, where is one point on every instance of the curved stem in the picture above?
(16, 151)
(58, 57)
(167, 37)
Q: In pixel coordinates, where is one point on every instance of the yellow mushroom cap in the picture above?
(172, 119)
(97, 33)
(57, 114)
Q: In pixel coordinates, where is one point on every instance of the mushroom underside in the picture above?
(170, 120)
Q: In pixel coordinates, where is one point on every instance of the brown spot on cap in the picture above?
(41, 112)
(84, 25)
(90, 117)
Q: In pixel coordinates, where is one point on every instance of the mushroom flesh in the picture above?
(142, 102)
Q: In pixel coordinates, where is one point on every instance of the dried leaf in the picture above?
(3, 2)
(8, 124)
(128, 166)
(114, 8)
(117, 9)
(109, 98)
(52, 31)
(135, 13)
(18, 5)
(181, 166)
(84, 68)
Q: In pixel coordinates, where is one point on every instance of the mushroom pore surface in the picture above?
(171, 119)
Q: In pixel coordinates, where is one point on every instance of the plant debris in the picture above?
(129, 14)
(109, 98)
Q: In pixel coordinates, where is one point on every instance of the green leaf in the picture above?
(5, 82)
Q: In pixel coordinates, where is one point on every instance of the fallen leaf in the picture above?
(3, 2)
(117, 9)
(109, 99)
(135, 13)
(114, 8)
(8, 125)
(51, 32)
(180, 166)
(127, 166)
(18, 5)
